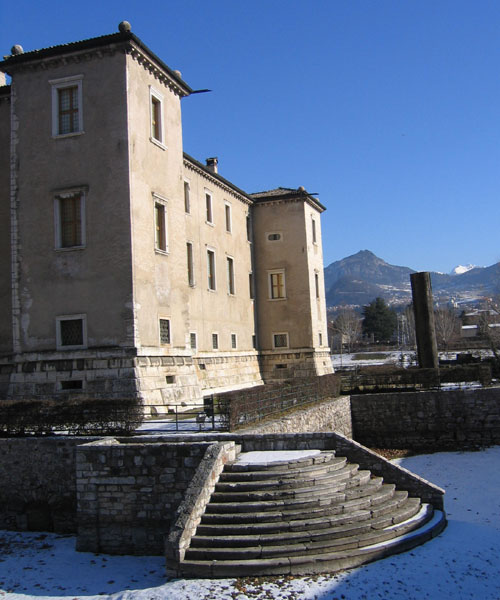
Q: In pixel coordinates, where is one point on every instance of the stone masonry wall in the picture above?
(38, 484)
(431, 420)
(128, 492)
(329, 416)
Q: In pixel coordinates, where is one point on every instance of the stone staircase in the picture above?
(314, 514)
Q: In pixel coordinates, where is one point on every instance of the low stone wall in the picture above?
(332, 415)
(128, 492)
(197, 496)
(38, 483)
(426, 421)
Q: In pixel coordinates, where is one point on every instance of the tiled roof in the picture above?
(97, 42)
(282, 193)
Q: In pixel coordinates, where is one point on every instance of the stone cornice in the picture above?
(307, 199)
(216, 180)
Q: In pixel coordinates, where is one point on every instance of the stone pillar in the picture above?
(424, 320)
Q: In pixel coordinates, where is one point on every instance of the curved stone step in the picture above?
(338, 501)
(330, 478)
(248, 475)
(308, 564)
(336, 482)
(329, 544)
(324, 456)
(298, 531)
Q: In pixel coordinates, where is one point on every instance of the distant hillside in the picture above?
(358, 279)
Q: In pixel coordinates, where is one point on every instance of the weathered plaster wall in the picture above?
(94, 280)
(432, 420)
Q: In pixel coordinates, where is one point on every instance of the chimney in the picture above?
(212, 164)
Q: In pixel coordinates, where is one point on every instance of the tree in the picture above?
(379, 320)
(446, 323)
(347, 326)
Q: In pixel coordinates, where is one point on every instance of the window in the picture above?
(320, 337)
(274, 237)
(187, 199)
(72, 384)
(156, 115)
(192, 340)
(228, 217)
(161, 243)
(230, 276)
(215, 341)
(249, 229)
(313, 224)
(70, 219)
(250, 286)
(71, 332)
(211, 269)
(233, 341)
(67, 114)
(316, 284)
(277, 285)
(190, 263)
(164, 331)
(254, 341)
(280, 340)
(208, 203)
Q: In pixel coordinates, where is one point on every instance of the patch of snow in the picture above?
(460, 269)
(270, 456)
(461, 563)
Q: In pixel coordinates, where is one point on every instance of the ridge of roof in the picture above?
(89, 43)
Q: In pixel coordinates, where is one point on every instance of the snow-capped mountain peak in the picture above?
(462, 269)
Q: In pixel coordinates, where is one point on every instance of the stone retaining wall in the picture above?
(426, 421)
(38, 483)
(128, 492)
(332, 415)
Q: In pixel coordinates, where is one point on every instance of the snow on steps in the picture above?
(312, 514)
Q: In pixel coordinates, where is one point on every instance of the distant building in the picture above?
(128, 268)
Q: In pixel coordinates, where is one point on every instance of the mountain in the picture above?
(461, 269)
(358, 279)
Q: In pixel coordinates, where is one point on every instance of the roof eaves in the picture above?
(216, 176)
(18, 59)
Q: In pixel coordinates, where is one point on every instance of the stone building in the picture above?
(128, 268)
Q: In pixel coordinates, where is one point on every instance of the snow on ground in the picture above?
(462, 563)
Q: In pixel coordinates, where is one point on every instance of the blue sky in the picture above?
(388, 109)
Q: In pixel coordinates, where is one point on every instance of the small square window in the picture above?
(192, 340)
(233, 341)
(164, 331)
(215, 341)
(274, 237)
(280, 340)
(187, 197)
(71, 332)
(67, 116)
